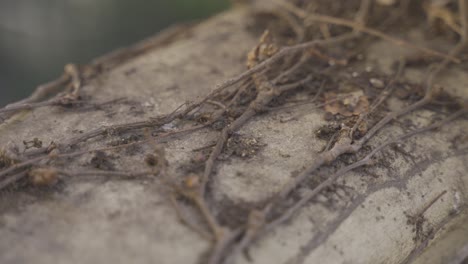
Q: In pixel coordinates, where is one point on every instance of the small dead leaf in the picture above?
(362, 127)
(437, 12)
(43, 176)
(264, 50)
(346, 104)
(192, 181)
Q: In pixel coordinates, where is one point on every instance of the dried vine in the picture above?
(273, 72)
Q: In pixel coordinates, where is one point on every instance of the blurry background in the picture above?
(38, 37)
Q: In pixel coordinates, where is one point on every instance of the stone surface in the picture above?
(105, 220)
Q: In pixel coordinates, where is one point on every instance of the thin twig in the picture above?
(185, 220)
(265, 95)
(463, 9)
(122, 128)
(105, 62)
(10, 180)
(368, 158)
(343, 145)
(363, 12)
(292, 21)
(360, 27)
(127, 174)
(304, 58)
(56, 102)
(463, 6)
(365, 161)
(220, 248)
(430, 203)
(380, 99)
(419, 249)
(286, 51)
(33, 161)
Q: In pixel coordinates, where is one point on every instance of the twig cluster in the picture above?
(272, 73)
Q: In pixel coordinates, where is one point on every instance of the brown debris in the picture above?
(264, 50)
(349, 104)
(151, 160)
(43, 176)
(244, 147)
(9, 155)
(439, 15)
(5, 160)
(265, 61)
(192, 181)
(35, 143)
(101, 160)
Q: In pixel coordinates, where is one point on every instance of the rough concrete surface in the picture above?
(105, 220)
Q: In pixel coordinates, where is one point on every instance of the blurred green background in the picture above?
(38, 37)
